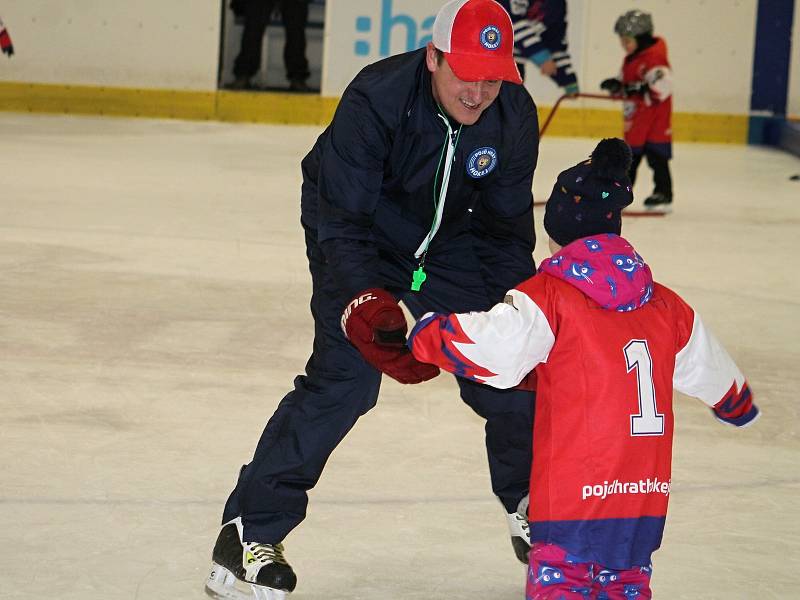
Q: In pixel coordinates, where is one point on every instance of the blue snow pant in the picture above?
(339, 386)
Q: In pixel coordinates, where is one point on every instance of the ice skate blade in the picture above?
(223, 585)
(659, 209)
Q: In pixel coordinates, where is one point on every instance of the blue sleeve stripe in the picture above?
(747, 418)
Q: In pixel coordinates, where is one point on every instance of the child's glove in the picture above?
(376, 326)
(637, 88)
(612, 85)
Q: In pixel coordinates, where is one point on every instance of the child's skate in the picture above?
(658, 202)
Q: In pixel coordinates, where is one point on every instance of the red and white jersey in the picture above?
(651, 67)
(648, 116)
(609, 345)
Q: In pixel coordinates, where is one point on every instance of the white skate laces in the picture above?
(519, 529)
(257, 555)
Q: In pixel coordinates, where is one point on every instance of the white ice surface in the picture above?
(154, 310)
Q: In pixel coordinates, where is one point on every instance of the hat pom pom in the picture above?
(611, 158)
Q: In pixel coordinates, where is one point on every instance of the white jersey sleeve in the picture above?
(498, 347)
(704, 369)
(659, 82)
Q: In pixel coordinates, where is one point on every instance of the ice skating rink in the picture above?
(154, 310)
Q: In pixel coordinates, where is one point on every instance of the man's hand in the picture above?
(548, 68)
(376, 326)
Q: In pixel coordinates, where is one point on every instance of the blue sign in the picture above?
(417, 33)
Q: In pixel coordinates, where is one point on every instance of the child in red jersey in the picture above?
(608, 344)
(5, 41)
(646, 85)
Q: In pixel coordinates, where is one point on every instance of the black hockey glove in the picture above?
(638, 88)
(612, 85)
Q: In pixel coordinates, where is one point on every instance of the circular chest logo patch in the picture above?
(481, 162)
(490, 37)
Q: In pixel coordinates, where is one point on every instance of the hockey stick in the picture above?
(573, 97)
(627, 213)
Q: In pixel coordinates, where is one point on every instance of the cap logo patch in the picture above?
(481, 162)
(490, 37)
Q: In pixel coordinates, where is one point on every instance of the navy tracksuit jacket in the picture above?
(367, 203)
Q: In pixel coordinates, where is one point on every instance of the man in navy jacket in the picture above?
(420, 191)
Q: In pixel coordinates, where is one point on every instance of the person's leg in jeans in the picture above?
(295, 19)
(256, 18)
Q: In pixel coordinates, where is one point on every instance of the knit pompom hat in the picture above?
(588, 198)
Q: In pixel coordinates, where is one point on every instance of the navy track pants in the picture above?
(339, 387)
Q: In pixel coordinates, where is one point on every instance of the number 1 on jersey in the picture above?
(648, 421)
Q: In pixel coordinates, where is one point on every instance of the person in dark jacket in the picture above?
(420, 191)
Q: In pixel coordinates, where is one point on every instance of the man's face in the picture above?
(464, 101)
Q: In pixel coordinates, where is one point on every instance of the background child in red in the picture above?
(608, 344)
(646, 84)
(5, 41)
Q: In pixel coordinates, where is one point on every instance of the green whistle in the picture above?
(419, 277)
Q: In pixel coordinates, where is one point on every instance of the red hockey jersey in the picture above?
(648, 116)
(610, 345)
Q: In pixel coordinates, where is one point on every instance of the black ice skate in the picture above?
(248, 570)
(658, 201)
(520, 531)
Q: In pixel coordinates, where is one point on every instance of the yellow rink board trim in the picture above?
(275, 107)
(113, 101)
(311, 109)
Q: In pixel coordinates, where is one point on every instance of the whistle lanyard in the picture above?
(448, 154)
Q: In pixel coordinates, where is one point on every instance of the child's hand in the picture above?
(612, 85)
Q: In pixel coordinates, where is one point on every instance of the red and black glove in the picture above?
(376, 326)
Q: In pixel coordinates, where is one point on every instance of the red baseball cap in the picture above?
(477, 39)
